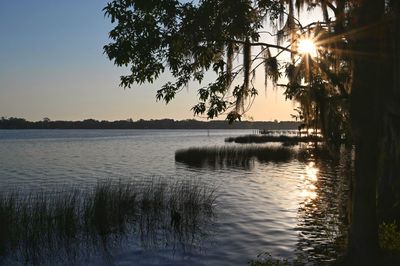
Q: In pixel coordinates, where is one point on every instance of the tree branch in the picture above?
(264, 44)
(331, 6)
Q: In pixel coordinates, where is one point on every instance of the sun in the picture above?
(307, 47)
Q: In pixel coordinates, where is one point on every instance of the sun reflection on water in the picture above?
(308, 190)
(312, 171)
(322, 220)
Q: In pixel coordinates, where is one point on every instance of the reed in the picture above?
(232, 155)
(41, 223)
(289, 140)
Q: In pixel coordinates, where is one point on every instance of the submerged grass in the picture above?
(265, 259)
(36, 224)
(232, 155)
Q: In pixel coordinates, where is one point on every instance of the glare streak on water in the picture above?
(273, 208)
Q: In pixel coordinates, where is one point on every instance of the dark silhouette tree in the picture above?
(366, 115)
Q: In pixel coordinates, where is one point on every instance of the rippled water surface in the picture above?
(291, 210)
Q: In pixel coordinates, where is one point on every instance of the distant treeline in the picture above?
(20, 123)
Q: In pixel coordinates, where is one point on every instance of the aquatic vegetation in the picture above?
(265, 259)
(245, 155)
(288, 140)
(34, 225)
(232, 155)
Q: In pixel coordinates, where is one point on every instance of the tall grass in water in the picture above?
(34, 225)
(271, 138)
(31, 224)
(232, 155)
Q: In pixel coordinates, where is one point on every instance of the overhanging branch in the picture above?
(264, 44)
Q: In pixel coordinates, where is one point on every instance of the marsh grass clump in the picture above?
(189, 201)
(287, 140)
(8, 214)
(38, 224)
(110, 207)
(33, 223)
(232, 155)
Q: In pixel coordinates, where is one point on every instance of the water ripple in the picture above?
(291, 210)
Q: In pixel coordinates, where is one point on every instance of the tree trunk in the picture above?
(389, 183)
(366, 114)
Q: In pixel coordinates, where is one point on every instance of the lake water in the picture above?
(292, 210)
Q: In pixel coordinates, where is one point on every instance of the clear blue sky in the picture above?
(52, 65)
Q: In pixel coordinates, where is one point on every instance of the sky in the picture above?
(52, 65)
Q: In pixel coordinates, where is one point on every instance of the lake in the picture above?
(295, 210)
